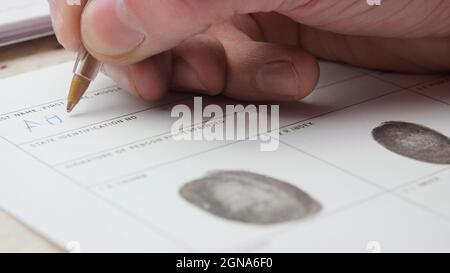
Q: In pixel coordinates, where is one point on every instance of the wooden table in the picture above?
(16, 59)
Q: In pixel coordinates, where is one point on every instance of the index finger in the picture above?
(66, 16)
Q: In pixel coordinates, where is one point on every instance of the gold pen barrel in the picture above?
(85, 70)
(86, 66)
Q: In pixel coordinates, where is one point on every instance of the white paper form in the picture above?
(22, 20)
(111, 177)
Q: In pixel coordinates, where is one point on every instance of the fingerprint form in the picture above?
(249, 197)
(414, 141)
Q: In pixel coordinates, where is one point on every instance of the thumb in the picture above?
(127, 31)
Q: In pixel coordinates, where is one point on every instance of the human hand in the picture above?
(253, 49)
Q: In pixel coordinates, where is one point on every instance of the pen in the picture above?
(85, 70)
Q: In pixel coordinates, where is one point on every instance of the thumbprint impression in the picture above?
(249, 197)
(414, 141)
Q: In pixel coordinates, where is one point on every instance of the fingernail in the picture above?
(109, 29)
(69, 40)
(278, 78)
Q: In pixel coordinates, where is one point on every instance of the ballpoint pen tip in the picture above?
(70, 106)
(78, 86)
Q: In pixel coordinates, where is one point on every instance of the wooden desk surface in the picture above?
(16, 59)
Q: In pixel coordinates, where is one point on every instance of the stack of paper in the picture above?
(363, 164)
(22, 20)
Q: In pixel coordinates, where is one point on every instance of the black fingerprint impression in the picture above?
(414, 141)
(249, 197)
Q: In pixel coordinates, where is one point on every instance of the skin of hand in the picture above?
(258, 50)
